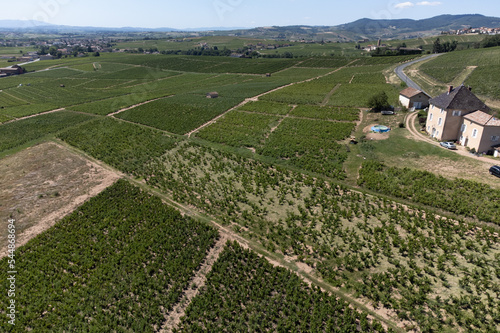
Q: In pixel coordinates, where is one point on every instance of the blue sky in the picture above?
(236, 13)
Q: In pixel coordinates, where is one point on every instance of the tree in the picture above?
(437, 47)
(53, 51)
(378, 101)
(96, 54)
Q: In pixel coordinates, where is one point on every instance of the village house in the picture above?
(446, 112)
(411, 97)
(480, 131)
(458, 115)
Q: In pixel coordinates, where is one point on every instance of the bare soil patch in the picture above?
(375, 136)
(42, 184)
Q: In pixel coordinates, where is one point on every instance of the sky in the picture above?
(183, 14)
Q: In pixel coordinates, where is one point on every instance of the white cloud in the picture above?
(402, 5)
(428, 3)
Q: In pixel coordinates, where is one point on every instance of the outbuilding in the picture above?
(414, 98)
(212, 94)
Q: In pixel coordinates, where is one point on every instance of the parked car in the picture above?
(495, 170)
(387, 112)
(448, 145)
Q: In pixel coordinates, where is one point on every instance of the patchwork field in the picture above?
(267, 164)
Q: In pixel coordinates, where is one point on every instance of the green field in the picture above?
(240, 129)
(484, 76)
(20, 132)
(386, 243)
(99, 268)
(245, 292)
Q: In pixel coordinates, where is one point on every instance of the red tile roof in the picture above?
(482, 118)
(410, 92)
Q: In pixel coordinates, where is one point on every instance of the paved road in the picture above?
(400, 71)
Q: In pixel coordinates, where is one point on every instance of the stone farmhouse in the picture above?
(458, 115)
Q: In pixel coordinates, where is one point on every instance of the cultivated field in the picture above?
(327, 237)
(39, 193)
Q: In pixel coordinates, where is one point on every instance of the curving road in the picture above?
(400, 71)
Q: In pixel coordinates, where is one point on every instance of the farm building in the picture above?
(14, 70)
(447, 111)
(212, 94)
(480, 131)
(411, 97)
(458, 115)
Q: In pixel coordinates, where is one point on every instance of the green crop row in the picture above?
(179, 114)
(326, 112)
(19, 132)
(240, 129)
(125, 146)
(266, 107)
(310, 144)
(428, 269)
(117, 263)
(459, 196)
(246, 293)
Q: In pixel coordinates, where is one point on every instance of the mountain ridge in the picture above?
(362, 28)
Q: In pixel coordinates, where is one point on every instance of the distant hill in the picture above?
(394, 28)
(22, 24)
(363, 28)
(25, 25)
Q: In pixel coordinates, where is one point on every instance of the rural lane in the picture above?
(400, 71)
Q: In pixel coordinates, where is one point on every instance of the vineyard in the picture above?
(346, 235)
(459, 196)
(484, 78)
(271, 171)
(118, 263)
(310, 144)
(326, 113)
(246, 293)
(179, 114)
(125, 146)
(207, 64)
(266, 107)
(17, 133)
(240, 129)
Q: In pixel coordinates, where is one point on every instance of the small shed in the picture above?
(212, 94)
(268, 74)
(413, 98)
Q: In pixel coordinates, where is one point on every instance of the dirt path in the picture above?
(279, 122)
(35, 115)
(417, 135)
(173, 318)
(136, 105)
(327, 97)
(219, 116)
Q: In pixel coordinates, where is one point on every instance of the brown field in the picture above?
(42, 184)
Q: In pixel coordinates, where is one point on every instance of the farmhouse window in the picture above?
(464, 127)
(430, 116)
(457, 113)
(474, 133)
(495, 138)
(440, 121)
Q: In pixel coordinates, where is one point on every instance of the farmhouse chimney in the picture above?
(450, 89)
